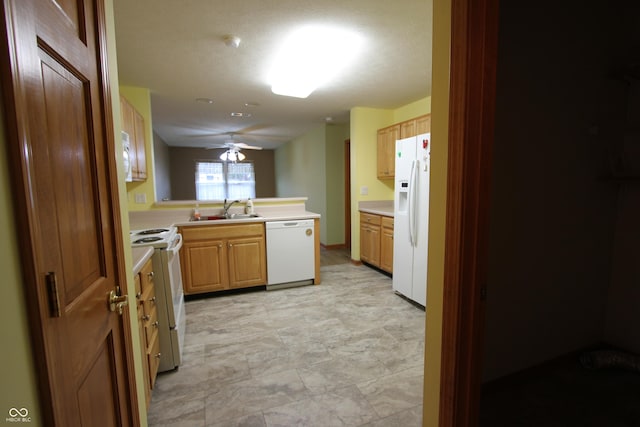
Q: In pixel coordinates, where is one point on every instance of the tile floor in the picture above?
(348, 352)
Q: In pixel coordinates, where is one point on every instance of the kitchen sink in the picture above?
(244, 215)
(231, 216)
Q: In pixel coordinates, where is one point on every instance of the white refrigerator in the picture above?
(411, 221)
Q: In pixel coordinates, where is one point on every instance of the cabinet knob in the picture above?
(158, 355)
(150, 276)
(155, 324)
(146, 317)
(153, 300)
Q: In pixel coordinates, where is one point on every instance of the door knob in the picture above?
(117, 302)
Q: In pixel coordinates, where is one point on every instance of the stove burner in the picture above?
(148, 240)
(153, 231)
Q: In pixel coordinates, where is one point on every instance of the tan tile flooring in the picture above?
(347, 352)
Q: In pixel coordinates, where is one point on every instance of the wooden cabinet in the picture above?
(408, 129)
(386, 244)
(423, 124)
(376, 241)
(386, 159)
(220, 257)
(148, 326)
(370, 238)
(133, 124)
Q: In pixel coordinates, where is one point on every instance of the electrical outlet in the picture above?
(364, 190)
(140, 198)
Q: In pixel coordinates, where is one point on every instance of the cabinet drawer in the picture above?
(153, 356)
(366, 218)
(387, 222)
(150, 328)
(148, 300)
(213, 232)
(146, 277)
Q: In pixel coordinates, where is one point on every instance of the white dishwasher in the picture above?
(290, 253)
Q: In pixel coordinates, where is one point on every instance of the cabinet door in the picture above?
(204, 267)
(247, 265)
(386, 160)
(139, 166)
(408, 129)
(370, 244)
(386, 249)
(423, 124)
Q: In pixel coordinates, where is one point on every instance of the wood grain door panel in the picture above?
(58, 114)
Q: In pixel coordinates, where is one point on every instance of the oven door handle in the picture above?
(176, 245)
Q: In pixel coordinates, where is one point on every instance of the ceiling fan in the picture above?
(232, 145)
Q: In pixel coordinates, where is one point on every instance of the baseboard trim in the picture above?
(332, 247)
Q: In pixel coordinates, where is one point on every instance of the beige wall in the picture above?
(182, 170)
(437, 209)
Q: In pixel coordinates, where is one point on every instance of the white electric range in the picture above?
(167, 278)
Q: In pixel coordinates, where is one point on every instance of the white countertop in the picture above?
(140, 256)
(157, 218)
(377, 207)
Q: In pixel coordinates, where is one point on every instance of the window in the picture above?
(225, 180)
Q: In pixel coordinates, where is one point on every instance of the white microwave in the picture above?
(126, 148)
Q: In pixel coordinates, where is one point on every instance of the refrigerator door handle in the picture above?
(412, 195)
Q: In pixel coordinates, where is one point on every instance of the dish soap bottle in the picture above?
(248, 208)
(196, 213)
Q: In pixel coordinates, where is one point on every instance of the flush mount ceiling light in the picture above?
(310, 57)
(231, 40)
(232, 156)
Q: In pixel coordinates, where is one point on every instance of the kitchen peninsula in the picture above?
(228, 252)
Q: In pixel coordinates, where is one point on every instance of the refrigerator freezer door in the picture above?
(402, 248)
(419, 289)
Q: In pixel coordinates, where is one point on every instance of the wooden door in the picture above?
(58, 110)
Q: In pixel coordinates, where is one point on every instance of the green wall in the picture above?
(313, 166)
(17, 370)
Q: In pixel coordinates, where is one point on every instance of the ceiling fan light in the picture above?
(232, 156)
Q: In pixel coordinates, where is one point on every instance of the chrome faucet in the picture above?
(227, 206)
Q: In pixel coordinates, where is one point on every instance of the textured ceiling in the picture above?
(176, 49)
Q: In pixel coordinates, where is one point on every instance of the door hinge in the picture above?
(54, 297)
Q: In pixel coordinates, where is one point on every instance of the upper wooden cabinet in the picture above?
(423, 124)
(133, 124)
(386, 151)
(387, 142)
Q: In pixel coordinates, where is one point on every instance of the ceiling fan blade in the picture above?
(246, 146)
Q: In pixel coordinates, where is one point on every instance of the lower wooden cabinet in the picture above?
(376, 241)
(386, 244)
(148, 326)
(220, 257)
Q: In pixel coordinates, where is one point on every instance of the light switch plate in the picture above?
(141, 198)
(364, 190)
